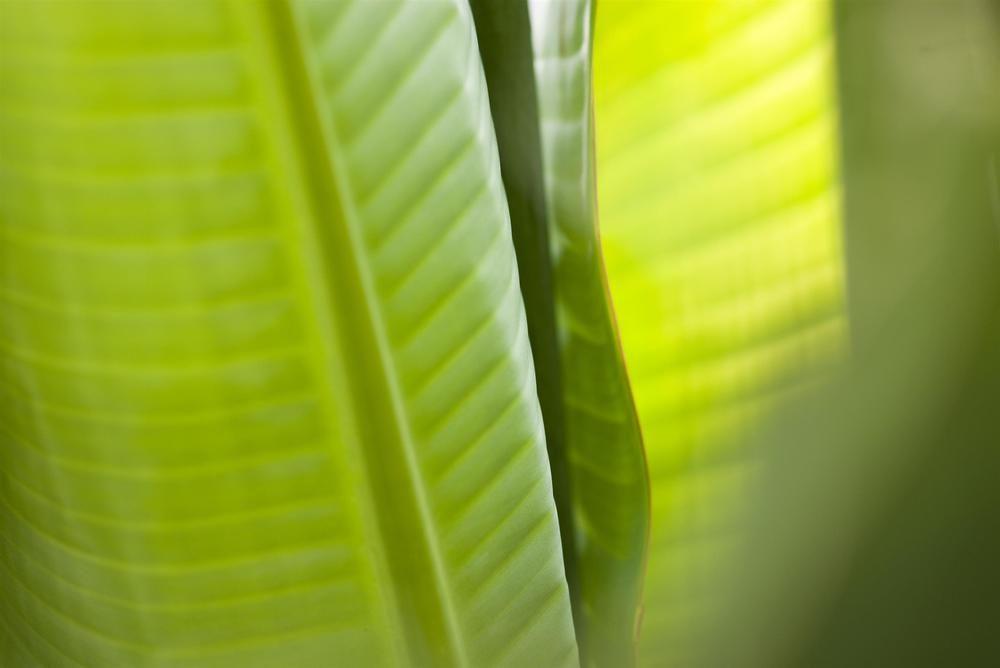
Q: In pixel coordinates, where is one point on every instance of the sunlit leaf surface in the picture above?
(267, 397)
(719, 204)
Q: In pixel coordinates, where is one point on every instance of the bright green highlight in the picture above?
(719, 204)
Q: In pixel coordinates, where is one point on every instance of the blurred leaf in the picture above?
(607, 468)
(716, 134)
(267, 391)
(873, 532)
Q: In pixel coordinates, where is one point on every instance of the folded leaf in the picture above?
(267, 393)
(607, 468)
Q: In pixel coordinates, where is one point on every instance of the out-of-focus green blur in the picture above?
(720, 208)
(819, 497)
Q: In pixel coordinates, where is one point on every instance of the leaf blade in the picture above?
(606, 461)
(371, 380)
(716, 136)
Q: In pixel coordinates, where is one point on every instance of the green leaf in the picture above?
(607, 468)
(872, 534)
(719, 203)
(267, 394)
(504, 33)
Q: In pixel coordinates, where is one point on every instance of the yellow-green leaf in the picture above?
(719, 204)
(267, 397)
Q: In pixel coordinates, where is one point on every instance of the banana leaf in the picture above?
(267, 393)
(716, 136)
(504, 34)
(872, 533)
(603, 444)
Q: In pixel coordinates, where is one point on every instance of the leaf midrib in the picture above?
(356, 341)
